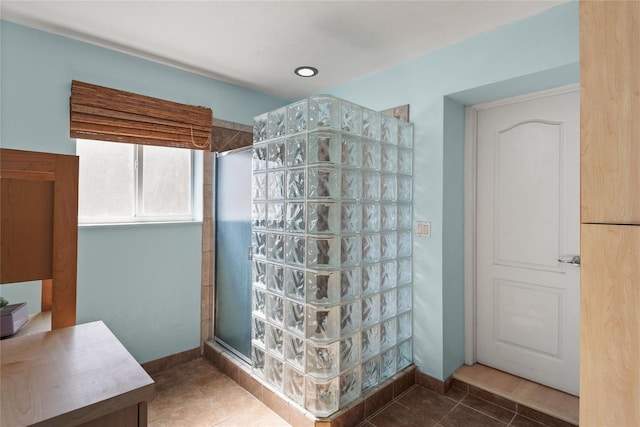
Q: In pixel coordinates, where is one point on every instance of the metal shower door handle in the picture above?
(570, 259)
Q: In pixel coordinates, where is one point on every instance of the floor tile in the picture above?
(463, 416)
(488, 408)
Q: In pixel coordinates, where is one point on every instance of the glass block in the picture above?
(274, 372)
(259, 186)
(323, 288)
(274, 340)
(404, 216)
(389, 188)
(371, 186)
(388, 158)
(350, 284)
(405, 297)
(370, 373)
(275, 309)
(351, 151)
(294, 317)
(388, 274)
(370, 124)
(404, 188)
(350, 217)
(259, 274)
(294, 351)
(275, 216)
(405, 134)
(258, 302)
(349, 352)
(324, 113)
(370, 340)
(294, 384)
(388, 217)
(388, 246)
(370, 279)
(405, 162)
(257, 331)
(370, 248)
(404, 243)
(351, 118)
(370, 217)
(388, 303)
(324, 147)
(257, 361)
(258, 215)
(295, 250)
(323, 218)
(370, 310)
(275, 247)
(260, 127)
(351, 184)
(297, 117)
(405, 273)
(405, 354)
(323, 253)
(259, 160)
(259, 244)
(350, 318)
(294, 217)
(388, 364)
(275, 185)
(294, 283)
(388, 129)
(350, 386)
(277, 123)
(388, 333)
(323, 183)
(404, 326)
(350, 251)
(322, 360)
(296, 184)
(275, 154)
(322, 397)
(296, 151)
(323, 324)
(275, 278)
(370, 154)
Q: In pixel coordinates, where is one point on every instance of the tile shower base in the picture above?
(353, 414)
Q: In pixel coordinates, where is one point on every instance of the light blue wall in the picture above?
(533, 54)
(143, 281)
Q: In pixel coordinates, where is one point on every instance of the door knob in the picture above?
(570, 259)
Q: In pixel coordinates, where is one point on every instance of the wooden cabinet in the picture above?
(610, 339)
(610, 111)
(610, 207)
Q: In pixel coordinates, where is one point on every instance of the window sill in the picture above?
(137, 223)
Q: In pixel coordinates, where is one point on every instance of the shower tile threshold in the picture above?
(352, 415)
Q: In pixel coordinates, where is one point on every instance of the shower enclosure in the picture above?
(331, 276)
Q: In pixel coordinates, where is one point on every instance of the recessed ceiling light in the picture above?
(306, 71)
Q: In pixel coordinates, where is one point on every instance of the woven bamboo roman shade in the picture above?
(106, 114)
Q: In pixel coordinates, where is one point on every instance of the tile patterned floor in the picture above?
(197, 394)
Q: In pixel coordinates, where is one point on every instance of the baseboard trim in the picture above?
(158, 365)
(434, 384)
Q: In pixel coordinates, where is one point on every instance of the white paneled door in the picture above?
(528, 302)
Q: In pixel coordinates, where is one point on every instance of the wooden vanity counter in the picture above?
(79, 375)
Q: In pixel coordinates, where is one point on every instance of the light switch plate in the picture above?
(423, 228)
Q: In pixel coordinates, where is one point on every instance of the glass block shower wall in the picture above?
(331, 242)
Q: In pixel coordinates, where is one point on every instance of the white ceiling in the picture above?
(258, 44)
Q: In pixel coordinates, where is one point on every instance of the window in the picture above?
(132, 183)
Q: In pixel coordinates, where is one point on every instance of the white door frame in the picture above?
(470, 210)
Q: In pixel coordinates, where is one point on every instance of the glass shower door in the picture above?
(232, 326)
